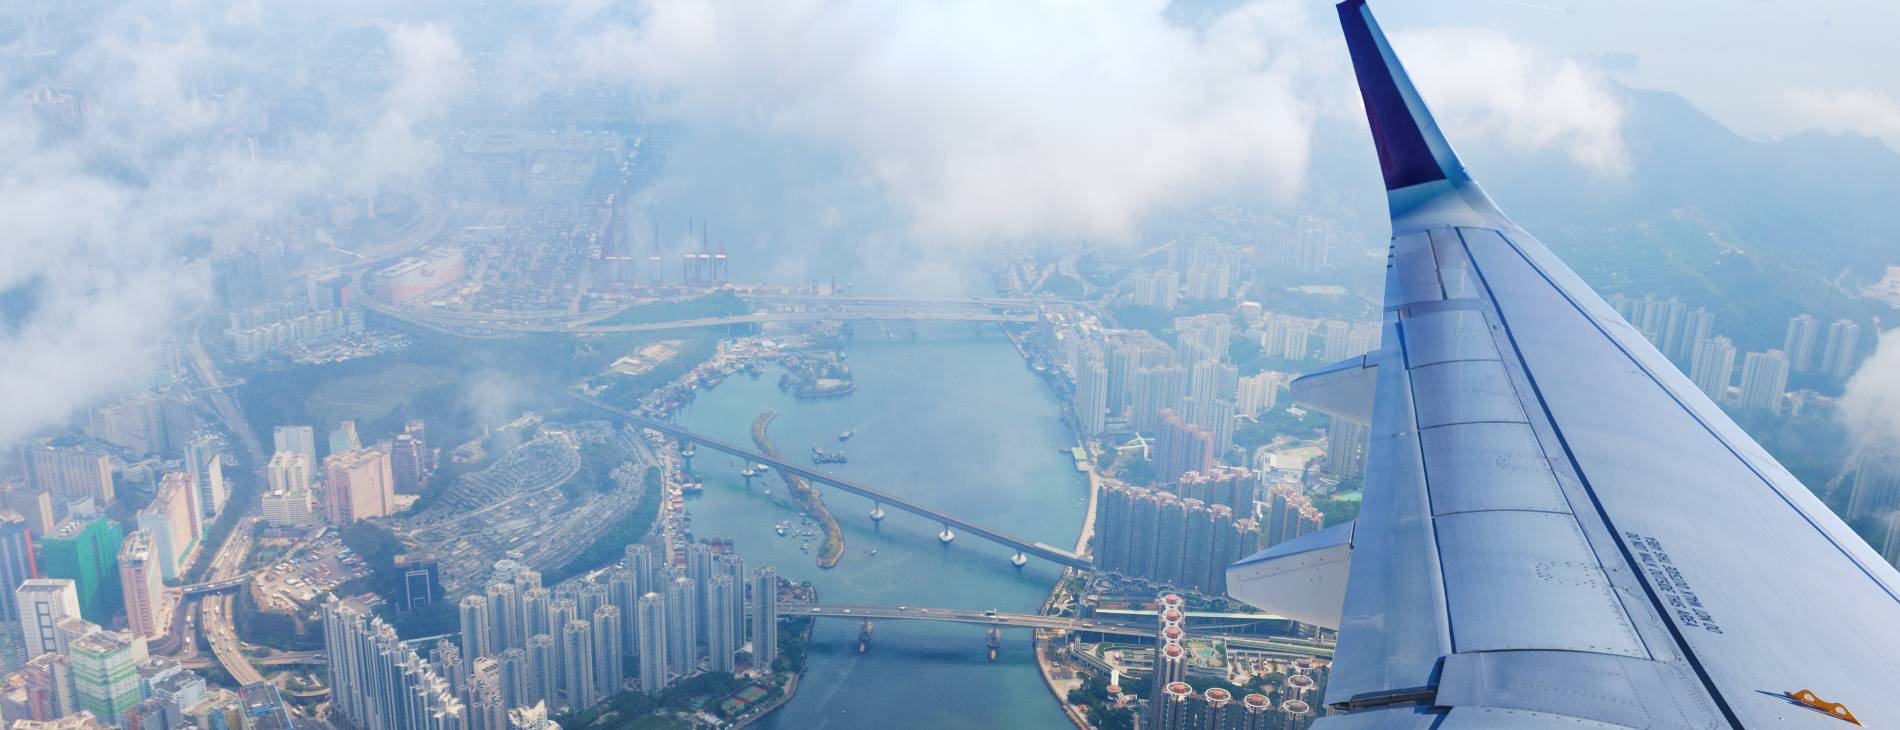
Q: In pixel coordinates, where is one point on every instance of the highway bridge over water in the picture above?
(899, 302)
(1140, 627)
(1118, 627)
(460, 326)
(951, 523)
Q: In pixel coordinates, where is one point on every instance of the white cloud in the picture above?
(1485, 85)
(104, 217)
(1051, 120)
(998, 121)
(1040, 120)
(1871, 405)
(1871, 113)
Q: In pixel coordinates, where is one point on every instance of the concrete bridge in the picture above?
(465, 327)
(280, 659)
(1123, 627)
(900, 302)
(770, 317)
(1138, 627)
(196, 589)
(1024, 548)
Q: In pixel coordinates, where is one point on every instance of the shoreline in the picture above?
(1043, 648)
(807, 497)
(1070, 711)
(791, 689)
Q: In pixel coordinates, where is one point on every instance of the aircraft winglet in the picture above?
(1412, 151)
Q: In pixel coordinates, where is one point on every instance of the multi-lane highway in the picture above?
(219, 631)
(216, 619)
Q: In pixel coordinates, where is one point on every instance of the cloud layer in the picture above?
(975, 124)
(991, 121)
(146, 147)
(1871, 113)
(1485, 86)
(1871, 405)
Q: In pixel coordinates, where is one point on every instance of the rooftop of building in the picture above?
(71, 527)
(100, 643)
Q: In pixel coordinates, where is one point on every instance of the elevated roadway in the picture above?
(900, 302)
(770, 317)
(460, 326)
(1023, 548)
(213, 586)
(1143, 627)
(1121, 627)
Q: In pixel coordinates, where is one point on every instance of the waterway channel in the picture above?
(950, 418)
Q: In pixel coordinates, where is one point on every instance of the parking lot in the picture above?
(303, 576)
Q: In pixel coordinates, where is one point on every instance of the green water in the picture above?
(951, 419)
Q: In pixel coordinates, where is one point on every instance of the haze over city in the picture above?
(567, 363)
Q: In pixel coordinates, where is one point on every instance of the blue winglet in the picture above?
(1412, 151)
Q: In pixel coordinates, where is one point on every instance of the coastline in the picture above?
(807, 497)
(791, 689)
(1043, 648)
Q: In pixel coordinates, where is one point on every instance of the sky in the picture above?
(946, 130)
(1761, 67)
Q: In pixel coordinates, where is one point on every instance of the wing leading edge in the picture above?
(1558, 528)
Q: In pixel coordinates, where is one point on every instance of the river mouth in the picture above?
(954, 420)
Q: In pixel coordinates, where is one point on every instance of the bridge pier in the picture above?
(1019, 560)
(687, 452)
(946, 536)
(877, 512)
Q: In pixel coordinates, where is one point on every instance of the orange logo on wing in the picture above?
(1807, 698)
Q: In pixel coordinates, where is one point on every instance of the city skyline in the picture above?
(561, 365)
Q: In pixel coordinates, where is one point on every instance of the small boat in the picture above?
(846, 435)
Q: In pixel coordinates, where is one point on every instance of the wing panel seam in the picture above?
(1697, 417)
(1425, 472)
(1616, 535)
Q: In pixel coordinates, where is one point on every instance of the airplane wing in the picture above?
(1558, 528)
